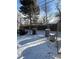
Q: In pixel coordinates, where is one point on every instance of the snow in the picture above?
(54, 20)
(36, 47)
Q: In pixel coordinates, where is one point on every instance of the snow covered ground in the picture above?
(36, 47)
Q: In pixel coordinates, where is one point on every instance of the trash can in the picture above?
(47, 31)
(33, 31)
(52, 37)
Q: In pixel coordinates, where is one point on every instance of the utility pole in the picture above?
(46, 10)
(57, 35)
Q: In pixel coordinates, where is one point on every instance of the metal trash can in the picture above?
(47, 31)
(52, 37)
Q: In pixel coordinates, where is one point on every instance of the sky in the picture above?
(18, 4)
(51, 7)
